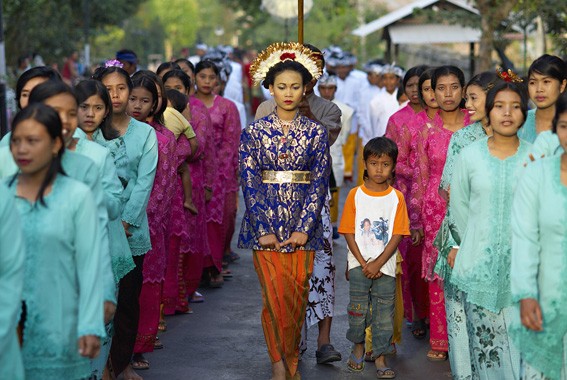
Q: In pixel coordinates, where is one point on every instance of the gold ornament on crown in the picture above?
(284, 51)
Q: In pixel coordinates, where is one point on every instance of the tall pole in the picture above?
(300, 21)
(86, 14)
(3, 110)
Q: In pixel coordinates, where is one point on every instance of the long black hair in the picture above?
(179, 74)
(447, 70)
(90, 87)
(35, 72)
(158, 113)
(549, 65)
(48, 89)
(518, 88)
(167, 66)
(148, 84)
(102, 72)
(560, 108)
(426, 75)
(49, 118)
(415, 71)
(280, 67)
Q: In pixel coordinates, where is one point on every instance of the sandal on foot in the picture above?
(418, 329)
(226, 273)
(436, 356)
(385, 373)
(355, 364)
(216, 281)
(158, 345)
(231, 257)
(327, 354)
(197, 298)
(139, 362)
(162, 326)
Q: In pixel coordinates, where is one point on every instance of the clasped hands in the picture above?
(296, 240)
(371, 269)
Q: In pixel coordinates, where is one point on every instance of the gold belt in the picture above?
(294, 176)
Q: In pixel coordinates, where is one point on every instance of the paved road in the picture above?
(223, 339)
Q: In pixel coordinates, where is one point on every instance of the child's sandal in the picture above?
(355, 364)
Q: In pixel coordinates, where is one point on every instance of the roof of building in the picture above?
(407, 10)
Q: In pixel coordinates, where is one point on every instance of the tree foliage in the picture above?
(54, 28)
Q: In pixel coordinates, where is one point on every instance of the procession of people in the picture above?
(119, 203)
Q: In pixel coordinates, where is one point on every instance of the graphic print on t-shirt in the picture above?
(373, 236)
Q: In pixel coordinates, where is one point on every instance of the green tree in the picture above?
(54, 28)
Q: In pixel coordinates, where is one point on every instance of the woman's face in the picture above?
(475, 101)
(506, 116)
(366, 225)
(411, 90)
(428, 95)
(174, 83)
(288, 90)
(140, 103)
(119, 92)
(66, 106)
(32, 147)
(27, 89)
(562, 130)
(206, 81)
(91, 113)
(448, 92)
(544, 90)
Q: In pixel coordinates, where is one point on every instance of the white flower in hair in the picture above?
(284, 51)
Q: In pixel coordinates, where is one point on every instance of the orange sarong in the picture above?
(284, 279)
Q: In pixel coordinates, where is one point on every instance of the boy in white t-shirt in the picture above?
(374, 221)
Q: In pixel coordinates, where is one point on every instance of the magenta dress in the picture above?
(202, 169)
(178, 233)
(427, 209)
(221, 210)
(155, 259)
(403, 128)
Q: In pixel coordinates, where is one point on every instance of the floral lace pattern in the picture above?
(485, 184)
(202, 169)
(178, 224)
(159, 205)
(539, 223)
(61, 280)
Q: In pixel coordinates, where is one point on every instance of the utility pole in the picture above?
(3, 110)
(86, 19)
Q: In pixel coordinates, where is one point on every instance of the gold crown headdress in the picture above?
(508, 76)
(281, 52)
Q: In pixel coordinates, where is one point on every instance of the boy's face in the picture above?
(379, 168)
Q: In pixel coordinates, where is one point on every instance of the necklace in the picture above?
(283, 146)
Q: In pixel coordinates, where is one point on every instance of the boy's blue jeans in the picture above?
(380, 293)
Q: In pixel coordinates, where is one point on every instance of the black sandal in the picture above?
(418, 329)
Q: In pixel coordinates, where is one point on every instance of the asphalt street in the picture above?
(223, 338)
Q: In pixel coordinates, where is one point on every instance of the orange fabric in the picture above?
(348, 219)
(349, 151)
(284, 280)
(360, 163)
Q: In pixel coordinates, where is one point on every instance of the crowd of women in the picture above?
(115, 208)
(487, 220)
(119, 198)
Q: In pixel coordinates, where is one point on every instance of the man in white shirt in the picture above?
(327, 85)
